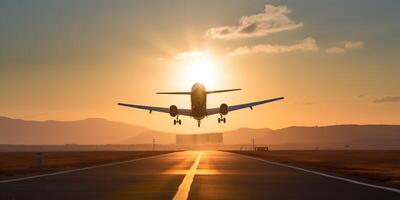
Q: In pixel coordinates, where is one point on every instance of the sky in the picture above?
(335, 62)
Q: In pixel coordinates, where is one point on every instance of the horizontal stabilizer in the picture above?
(219, 91)
(179, 93)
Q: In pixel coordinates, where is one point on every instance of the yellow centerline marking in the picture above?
(184, 187)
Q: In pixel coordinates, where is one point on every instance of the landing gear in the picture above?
(221, 119)
(198, 123)
(177, 121)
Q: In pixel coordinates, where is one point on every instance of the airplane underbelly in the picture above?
(199, 108)
(198, 100)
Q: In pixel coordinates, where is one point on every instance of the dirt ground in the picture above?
(21, 163)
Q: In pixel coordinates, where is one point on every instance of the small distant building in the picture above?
(198, 139)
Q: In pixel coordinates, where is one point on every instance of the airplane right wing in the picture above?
(213, 111)
(186, 112)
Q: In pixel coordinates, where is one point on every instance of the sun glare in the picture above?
(201, 69)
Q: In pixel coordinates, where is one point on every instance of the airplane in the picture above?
(198, 97)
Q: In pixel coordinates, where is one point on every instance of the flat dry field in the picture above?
(376, 165)
(21, 163)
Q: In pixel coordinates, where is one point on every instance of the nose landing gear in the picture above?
(198, 123)
(221, 119)
(177, 121)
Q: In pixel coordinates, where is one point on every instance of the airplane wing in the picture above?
(213, 111)
(186, 112)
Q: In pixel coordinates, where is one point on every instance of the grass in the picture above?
(21, 163)
(376, 165)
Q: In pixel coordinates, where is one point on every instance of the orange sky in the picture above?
(81, 61)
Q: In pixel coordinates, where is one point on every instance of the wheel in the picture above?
(219, 120)
(224, 120)
(180, 122)
(174, 122)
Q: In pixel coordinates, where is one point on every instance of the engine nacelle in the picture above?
(173, 110)
(223, 109)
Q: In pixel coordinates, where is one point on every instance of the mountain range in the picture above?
(101, 131)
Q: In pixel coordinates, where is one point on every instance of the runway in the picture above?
(190, 175)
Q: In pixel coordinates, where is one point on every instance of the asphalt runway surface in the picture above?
(190, 175)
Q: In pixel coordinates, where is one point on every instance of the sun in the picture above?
(200, 67)
(201, 70)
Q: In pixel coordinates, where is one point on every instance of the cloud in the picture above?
(360, 96)
(308, 44)
(191, 55)
(274, 19)
(308, 103)
(390, 99)
(334, 50)
(354, 45)
(347, 45)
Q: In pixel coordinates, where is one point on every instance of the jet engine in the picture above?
(173, 110)
(223, 109)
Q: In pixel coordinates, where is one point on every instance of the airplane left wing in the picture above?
(213, 111)
(185, 112)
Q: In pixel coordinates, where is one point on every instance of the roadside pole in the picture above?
(254, 144)
(39, 160)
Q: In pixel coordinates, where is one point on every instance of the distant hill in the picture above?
(87, 131)
(328, 137)
(353, 136)
(146, 137)
(244, 135)
(338, 136)
(239, 136)
(101, 131)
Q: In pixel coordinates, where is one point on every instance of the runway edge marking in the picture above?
(79, 169)
(323, 174)
(184, 187)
